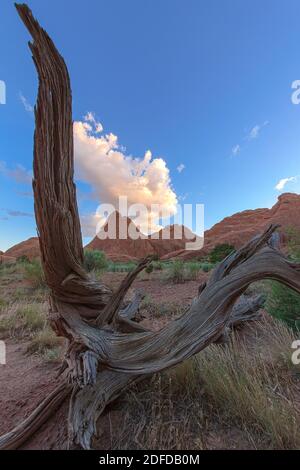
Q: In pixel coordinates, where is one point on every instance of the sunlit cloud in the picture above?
(101, 162)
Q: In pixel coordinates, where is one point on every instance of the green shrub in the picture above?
(95, 260)
(149, 268)
(33, 271)
(220, 252)
(23, 259)
(206, 267)
(115, 267)
(3, 304)
(293, 243)
(284, 303)
(192, 270)
(176, 271)
(157, 265)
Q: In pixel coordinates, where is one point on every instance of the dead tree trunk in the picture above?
(108, 350)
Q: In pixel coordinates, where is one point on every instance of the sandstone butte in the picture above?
(235, 230)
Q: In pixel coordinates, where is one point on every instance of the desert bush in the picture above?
(25, 320)
(31, 317)
(7, 269)
(176, 271)
(23, 259)
(220, 252)
(95, 260)
(206, 266)
(283, 303)
(34, 273)
(45, 342)
(192, 270)
(293, 243)
(157, 265)
(149, 268)
(3, 304)
(116, 267)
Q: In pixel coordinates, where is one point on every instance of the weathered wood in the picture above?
(54, 190)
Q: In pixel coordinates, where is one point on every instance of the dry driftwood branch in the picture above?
(111, 309)
(103, 356)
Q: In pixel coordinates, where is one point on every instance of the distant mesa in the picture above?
(235, 230)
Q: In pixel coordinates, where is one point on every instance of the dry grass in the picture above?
(28, 321)
(153, 309)
(22, 319)
(251, 393)
(46, 344)
(242, 395)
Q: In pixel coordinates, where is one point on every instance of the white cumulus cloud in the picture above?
(101, 162)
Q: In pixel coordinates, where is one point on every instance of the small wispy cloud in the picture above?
(180, 167)
(236, 150)
(25, 193)
(284, 181)
(14, 213)
(251, 135)
(19, 174)
(28, 107)
(9, 213)
(255, 131)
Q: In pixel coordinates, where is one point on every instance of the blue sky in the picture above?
(200, 83)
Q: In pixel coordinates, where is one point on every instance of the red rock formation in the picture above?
(161, 243)
(29, 248)
(235, 230)
(118, 249)
(239, 228)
